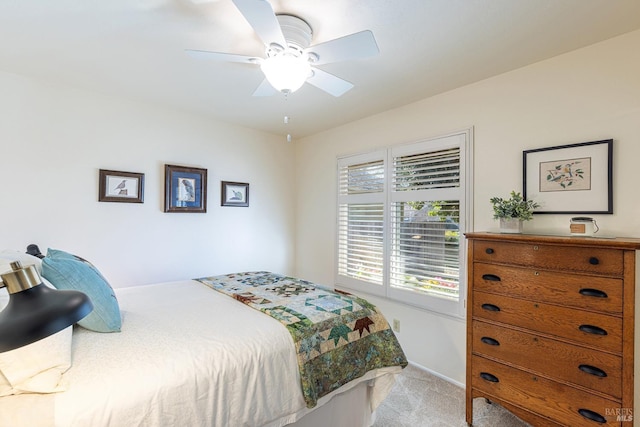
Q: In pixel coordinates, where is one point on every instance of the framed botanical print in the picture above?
(575, 178)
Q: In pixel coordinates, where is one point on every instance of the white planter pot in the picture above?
(511, 225)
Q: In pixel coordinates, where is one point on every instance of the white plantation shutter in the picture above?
(425, 254)
(361, 241)
(426, 198)
(427, 171)
(362, 178)
(361, 216)
(401, 214)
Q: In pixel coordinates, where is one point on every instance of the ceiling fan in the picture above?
(290, 60)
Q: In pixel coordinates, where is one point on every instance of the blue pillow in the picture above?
(67, 271)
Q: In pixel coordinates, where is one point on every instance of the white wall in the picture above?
(53, 142)
(586, 95)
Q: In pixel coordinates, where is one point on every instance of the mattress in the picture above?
(186, 355)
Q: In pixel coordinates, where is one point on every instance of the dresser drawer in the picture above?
(559, 402)
(593, 329)
(567, 258)
(589, 368)
(573, 290)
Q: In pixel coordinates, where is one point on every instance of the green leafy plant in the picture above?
(514, 207)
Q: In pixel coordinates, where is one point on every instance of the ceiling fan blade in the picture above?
(265, 89)
(353, 46)
(226, 57)
(261, 17)
(329, 83)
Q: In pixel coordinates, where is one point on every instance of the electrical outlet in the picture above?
(396, 325)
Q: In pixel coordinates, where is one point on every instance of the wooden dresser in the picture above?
(550, 327)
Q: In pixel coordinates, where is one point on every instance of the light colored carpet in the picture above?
(420, 399)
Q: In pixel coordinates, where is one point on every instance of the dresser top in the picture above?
(604, 242)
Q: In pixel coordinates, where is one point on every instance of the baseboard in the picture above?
(437, 374)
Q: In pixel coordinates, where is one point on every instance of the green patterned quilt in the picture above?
(338, 337)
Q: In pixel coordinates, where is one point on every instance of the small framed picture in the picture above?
(235, 193)
(570, 179)
(118, 186)
(185, 189)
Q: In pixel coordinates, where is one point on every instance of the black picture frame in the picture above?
(185, 189)
(121, 187)
(234, 194)
(570, 179)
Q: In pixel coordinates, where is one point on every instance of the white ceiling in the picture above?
(135, 49)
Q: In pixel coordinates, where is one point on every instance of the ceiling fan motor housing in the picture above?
(296, 31)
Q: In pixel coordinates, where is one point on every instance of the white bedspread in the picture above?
(186, 356)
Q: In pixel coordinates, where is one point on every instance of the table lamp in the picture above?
(36, 311)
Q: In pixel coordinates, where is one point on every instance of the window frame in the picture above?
(462, 139)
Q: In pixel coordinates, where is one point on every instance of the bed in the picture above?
(203, 352)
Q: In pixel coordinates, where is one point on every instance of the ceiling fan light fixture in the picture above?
(290, 59)
(285, 71)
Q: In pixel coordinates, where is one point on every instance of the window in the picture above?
(402, 212)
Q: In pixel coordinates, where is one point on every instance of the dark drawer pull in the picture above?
(594, 261)
(489, 377)
(588, 292)
(490, 307)
(592, 370)
(590, 329)
(593, 416)
(491, 277)
(489, 341)
(489, 251)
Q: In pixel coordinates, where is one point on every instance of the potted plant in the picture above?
(512, 212)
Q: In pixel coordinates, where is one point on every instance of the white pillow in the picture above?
(37, 367)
